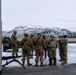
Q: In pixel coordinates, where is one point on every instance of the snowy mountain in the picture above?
(38, 29)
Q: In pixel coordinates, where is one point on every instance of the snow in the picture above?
(38, 29)
(71, 57)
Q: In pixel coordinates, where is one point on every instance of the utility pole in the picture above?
(0, 40)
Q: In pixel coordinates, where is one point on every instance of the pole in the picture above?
(0, 41)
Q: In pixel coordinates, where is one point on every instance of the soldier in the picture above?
(38, 43)
(31, 37)
(14, 43)
(51, 47)
(44, 37)
(26, 44)
(63, 48)
(60, 46)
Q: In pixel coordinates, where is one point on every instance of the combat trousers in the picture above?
(52, 52)
(14, 50)
(65, 54)
(25, 53)
(52, 56)
(39, 54)
(60, 54)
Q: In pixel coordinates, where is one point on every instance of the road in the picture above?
(69, 69)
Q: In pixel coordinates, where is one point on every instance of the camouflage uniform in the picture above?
(51, 47)
(45, 50)
(31, 37)
(26, 44)
(14, 43)
(63, 49)
(39, 42)
(59, 46)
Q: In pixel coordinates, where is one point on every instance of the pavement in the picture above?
(68, 69)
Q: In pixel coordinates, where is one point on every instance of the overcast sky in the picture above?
(48, 13)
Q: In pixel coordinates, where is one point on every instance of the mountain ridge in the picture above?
(38, 29)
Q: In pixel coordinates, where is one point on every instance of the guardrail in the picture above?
(71, 40)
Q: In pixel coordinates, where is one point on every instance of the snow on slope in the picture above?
(39, 29)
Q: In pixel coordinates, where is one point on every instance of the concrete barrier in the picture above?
(71, 40)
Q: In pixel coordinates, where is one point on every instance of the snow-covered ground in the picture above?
(71, 57)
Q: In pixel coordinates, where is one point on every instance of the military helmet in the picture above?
(52, 35)
(38, 33)
(44, 36)
(32, 35)
(65, 35)
(15, 32)
(60, 35)
(25, 34)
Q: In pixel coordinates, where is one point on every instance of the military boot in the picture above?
(42, 64)
(54, 61)
(23, 63)
(50, 61)
(13, 55)
(28, 63)
(36, 65)
(16, 54)
(64, 62)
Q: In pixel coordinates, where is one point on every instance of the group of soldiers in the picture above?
(40, 44)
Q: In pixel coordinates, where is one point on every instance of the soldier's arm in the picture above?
(43, 42)
(31, 43)
(56, 44)
(22, 42)
(13, 39)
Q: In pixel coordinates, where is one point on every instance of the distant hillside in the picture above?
(34, 30)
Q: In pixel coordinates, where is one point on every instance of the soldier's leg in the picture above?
(54, 56)
(41, 58)
(37, 57)
(23, 61)
(23, 57)
(28, 58)
(37, 60)
(50, 56)
(12, 51)
(64, 56)
(16, 50)
(41, 61)
(28, 61)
